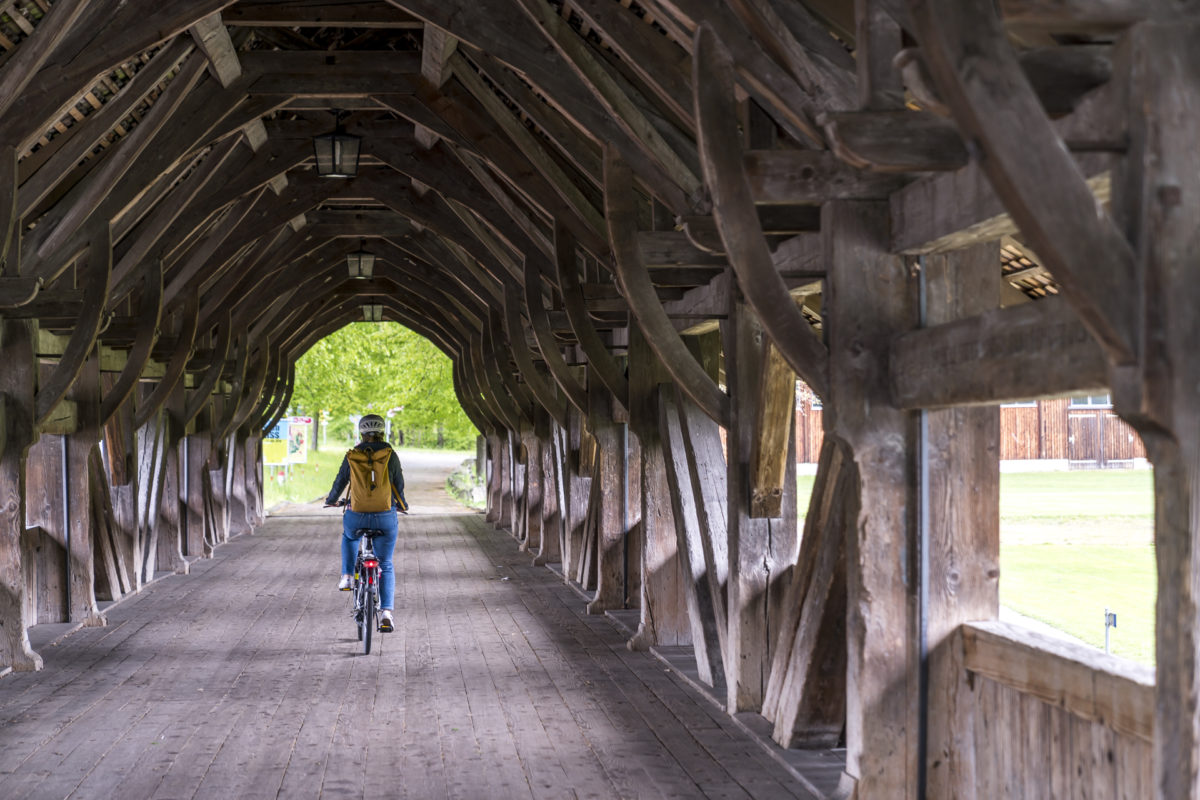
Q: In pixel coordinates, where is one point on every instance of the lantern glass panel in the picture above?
(337, 154)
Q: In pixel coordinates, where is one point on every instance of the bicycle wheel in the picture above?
(368, 619)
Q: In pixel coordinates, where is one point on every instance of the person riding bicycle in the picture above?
(372, 469)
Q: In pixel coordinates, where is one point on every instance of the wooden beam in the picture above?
(773, 419)
(980, 79)
(1032, 350)
(706, 607)
(213, 40)
(544, 392)
(319, 14)
(875, 300)
(188, 318)
(24, 64)
(83, 337)
(806, 691)
(613, 96)
(895, 141)
(601, 360)
(639, 291)
(149, 314)
(1089, 684)
(960, 513)
(737, 219)
(810, 177)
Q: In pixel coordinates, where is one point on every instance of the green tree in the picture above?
(383, 368)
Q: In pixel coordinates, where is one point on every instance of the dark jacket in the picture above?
(343, 477)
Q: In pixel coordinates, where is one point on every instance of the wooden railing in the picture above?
(1060, 719)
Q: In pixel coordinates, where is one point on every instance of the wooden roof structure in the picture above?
(634, 221)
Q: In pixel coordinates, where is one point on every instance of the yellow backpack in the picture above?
(370, 486)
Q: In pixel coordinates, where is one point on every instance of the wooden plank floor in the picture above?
(244, 680)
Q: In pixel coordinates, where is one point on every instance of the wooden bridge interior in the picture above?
(632, 226)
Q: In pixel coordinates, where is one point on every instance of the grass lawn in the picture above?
(1073, 544)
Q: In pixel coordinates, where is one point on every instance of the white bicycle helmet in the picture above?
(371, 423)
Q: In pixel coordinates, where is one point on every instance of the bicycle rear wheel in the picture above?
(368, 619)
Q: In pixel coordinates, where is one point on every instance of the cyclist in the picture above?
(372, 469)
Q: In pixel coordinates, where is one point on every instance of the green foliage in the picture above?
(376, 368)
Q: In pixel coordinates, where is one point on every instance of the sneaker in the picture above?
(385, 621)
(345, 583)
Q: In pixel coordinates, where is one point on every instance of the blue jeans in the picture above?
(385, 545)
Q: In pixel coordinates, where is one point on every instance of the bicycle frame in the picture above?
(367, 574)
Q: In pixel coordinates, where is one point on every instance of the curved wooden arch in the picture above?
(737, 218)
(607, 368)
(643, 299)
(978, 77)
(83, 337)
(539, 321)
(149, 317)
(555, 406)
(201, 395)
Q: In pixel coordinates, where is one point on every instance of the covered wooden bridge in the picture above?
(632, 226)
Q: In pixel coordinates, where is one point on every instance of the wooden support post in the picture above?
(532, 504)
(1157, 198)
(872, 298)
(608, 500)
(16, 427)
(577, 490)
(749, 537)
(171, 519)
(85, 394)
(806, 692)
(254, 478)
(193, 456)
(239, 501)
(960, 513)
(703, 585)
(550, 524)
(664, 585)
(495, 477)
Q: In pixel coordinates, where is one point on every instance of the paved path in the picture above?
(244, 680)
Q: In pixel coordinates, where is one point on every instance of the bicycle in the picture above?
(365, 588)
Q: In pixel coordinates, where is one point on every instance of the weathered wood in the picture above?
(733, 207)
(796, 177)
(606, 367)
(608, 501)
(748, 659)
(1003, 355)
(1154, 193)
(149, 315)
(213, 39)
(960, 518)
(23, 66)
(83, 337)
(706, 607)
(17, 606)
(874, 300)
(615, 97)
(895, 141)
(773, 418)
(1090, 684)
(810, 656)
(8, 210)
(639, 291)
(78, 451)
(980, 80)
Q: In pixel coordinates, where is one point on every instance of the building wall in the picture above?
(1045, 429)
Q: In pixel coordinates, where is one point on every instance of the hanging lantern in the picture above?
(372, 312)
(361, 263)
(337, 152)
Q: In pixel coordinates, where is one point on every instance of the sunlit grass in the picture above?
(1071, 545)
